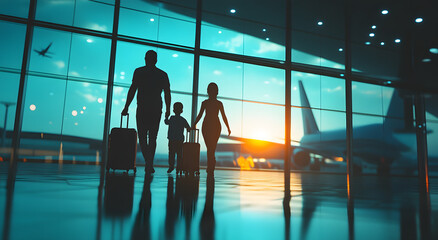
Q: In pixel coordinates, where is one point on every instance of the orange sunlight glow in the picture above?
(245, 163)
(338, 159)
(1, 159)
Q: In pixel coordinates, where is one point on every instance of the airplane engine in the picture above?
(300, 159)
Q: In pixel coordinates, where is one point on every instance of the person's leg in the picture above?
(172, 152)
(178, 149)
(153, 132)
(142, 137)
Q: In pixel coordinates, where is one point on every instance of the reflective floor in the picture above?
(53, 201)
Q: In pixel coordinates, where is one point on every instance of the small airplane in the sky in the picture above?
(44, 52)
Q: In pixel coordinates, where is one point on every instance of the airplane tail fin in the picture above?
(400, 113)
(309, 123)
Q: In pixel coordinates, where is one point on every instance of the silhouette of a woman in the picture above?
(211, 127)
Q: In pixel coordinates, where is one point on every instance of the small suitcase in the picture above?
(190, 154)
(122, 150)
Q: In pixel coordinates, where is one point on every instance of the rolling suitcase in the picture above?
(122, 148)
(190, 154)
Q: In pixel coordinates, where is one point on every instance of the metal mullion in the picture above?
(109, 94)
(288, 93)
(348, 94)
(21, 95)
(196, 61)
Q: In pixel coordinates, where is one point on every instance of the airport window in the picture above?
(17, 8)
(318, 33)
(150, 20)
(432, 134)
(93, 15)
(11, 46)
(241, 30)
(263, 84)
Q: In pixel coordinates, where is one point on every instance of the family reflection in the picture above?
(207, 224)
(142, 224)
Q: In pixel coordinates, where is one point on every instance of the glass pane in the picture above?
(367, 98)
(235, 28)
(94, 15)
(263, 84)
(384, 143)
(432, 136)
(42, 118)
(11, 46)
(177, 65)
(226, 74)
(51, 51)
(89, 57)
(318, 33)
(173, 23)
(18, 8)
(321, 91)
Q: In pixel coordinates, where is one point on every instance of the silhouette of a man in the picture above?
(150, 81)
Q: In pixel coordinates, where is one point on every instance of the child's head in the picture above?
(177, 108)
(212, 90)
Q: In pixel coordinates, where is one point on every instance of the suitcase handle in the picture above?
(121, 120)
(192, 134)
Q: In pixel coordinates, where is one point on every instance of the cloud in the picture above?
(59, 64)
(217, 72)
(336, 89)
(98, 27)
(89, 97)
(232, 44)
(265, 47)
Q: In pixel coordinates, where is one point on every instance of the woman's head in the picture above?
(212, 90)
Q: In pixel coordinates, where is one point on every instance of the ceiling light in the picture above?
(372, 34)
(175, 55)
(397, 40)
(152, 19)
(384, 12)
(220, 32)
(320, 23)
(419, 20)
(426, 60)
(374, 27)
(89, 40)
(434, 50)
(233, 10)
(264, 29)
(367, 43)
(382, 43)
(267, 39)
(340, 49)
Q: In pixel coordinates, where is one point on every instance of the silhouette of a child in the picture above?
(175, 135)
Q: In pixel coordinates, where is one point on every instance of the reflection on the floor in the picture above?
(71, 203)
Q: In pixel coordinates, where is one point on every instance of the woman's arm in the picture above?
(201, 112)
(224, 117)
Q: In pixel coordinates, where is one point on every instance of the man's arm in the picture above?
(167, 98)
(130, 97)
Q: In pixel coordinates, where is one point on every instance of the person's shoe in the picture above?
(170, 170)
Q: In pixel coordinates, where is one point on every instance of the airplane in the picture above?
(44, 52)
(317, 147)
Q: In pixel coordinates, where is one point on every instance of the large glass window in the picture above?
(235, 28)
(177, 65)
(318, 33)
(318, 130)
(94, 15)
(11, 46)
(384, 139)
(432, 133)
(64, 105)
(18, 8)
(169, 22)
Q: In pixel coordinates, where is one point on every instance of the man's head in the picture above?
(150, 58)
(177, 108)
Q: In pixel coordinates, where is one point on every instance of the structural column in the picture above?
(196, 61)
(288, 80)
